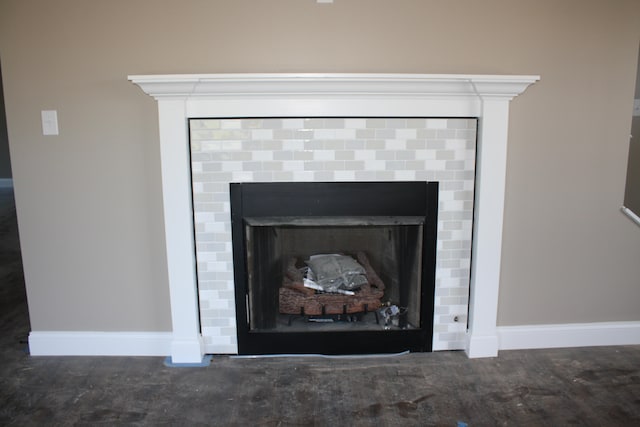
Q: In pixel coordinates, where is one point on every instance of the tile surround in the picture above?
(332, 149)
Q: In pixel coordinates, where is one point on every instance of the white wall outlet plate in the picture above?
(49, 122)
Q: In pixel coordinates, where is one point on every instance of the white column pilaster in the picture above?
(186, 345)
(482, 337)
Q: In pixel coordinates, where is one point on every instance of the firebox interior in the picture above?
(392, 247)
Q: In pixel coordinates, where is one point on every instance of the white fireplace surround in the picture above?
(181, 97)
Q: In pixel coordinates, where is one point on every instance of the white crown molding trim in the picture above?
(568, 335)
(72, 343)
(181, 97)
(6, 182)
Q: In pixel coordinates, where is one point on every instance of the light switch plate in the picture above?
(636, 108)
(49, 122)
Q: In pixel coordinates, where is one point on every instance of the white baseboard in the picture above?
(568, 335)
(45, 343)
(6, 183)
(481, 346)
(56, 343)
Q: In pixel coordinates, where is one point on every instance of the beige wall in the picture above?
(89, 200)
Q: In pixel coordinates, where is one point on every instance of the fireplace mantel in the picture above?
(181, 97)
(332, 85)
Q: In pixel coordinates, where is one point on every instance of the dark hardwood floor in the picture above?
(558, 387)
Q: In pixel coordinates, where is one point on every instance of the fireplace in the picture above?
(376, 241)
(182, 98)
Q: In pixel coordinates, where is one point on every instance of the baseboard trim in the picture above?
(72, 343)
(53, 343)
(568, 335)
(481, 346)
(6, 182)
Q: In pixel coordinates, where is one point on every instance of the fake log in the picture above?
(294, 298)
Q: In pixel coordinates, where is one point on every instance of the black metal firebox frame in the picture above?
(327, 199)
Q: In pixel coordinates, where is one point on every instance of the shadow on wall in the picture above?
(5, 163)
(632, 190)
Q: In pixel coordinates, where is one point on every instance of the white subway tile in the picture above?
(409, 149)
(293, 145)
(405, 175)
(293, 165)
(385, 175)
(345, 133)
(231, 145)
(324, 155)
(233, 166)
(396, 144)
(353, 123)
(230, 124)
(264, 155)
(345, 175)
(242, 176)
(272, 166)
(324, 134)
(436, 124)
(385, 155)
(303, 176)
(324, 176)
(263, 176)
(406, 133)
(354, 165)
(365, 155)
(293, 123)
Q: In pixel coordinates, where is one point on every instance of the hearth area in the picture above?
(334, 267)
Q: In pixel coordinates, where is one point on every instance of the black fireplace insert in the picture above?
(334, 267)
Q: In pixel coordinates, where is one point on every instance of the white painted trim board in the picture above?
(74, 343)
(568, 335)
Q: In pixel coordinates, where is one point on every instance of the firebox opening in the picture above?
(383, 273)
(326, 278)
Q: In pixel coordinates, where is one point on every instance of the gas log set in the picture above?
(330, 284)
(335, 287)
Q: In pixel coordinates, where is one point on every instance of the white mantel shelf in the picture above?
(332, 85)
(181, 97)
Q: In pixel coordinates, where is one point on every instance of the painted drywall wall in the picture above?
(89, 200)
